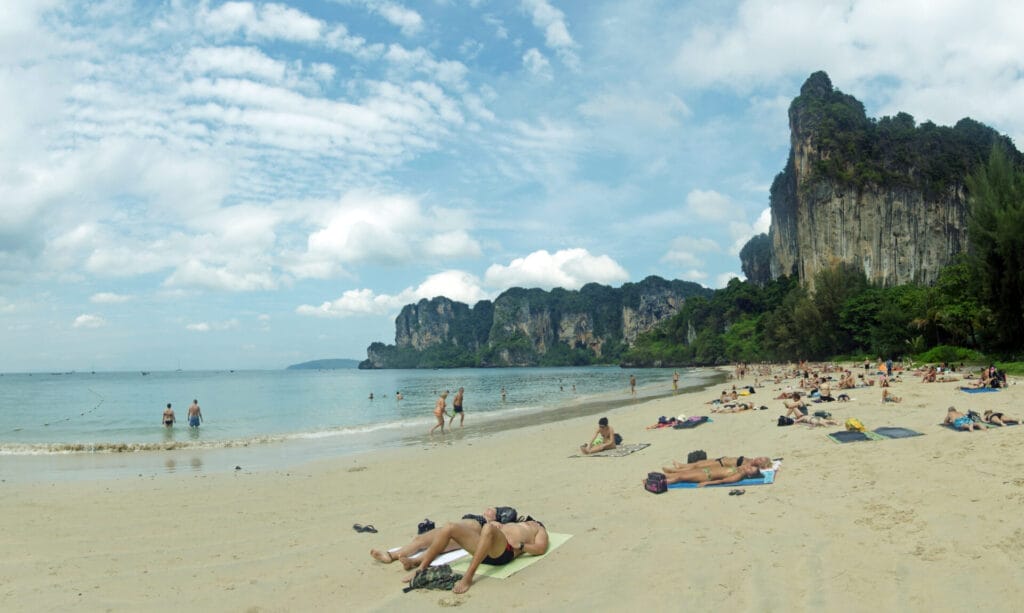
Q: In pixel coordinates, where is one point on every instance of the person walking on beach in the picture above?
(457, 408)
(675, 381)
(195, 415)
(440, 411)
(168, 416)
(632, 385)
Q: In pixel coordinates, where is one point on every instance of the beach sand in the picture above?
(920, 524)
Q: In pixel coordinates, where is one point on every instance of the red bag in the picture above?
(656, 483)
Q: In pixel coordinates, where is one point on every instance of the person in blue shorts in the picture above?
(195, 415)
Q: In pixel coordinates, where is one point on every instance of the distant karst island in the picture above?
(887, 238)
(331, 364)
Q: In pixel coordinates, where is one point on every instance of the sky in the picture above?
(231, 185)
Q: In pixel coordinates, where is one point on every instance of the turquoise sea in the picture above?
(83, 424)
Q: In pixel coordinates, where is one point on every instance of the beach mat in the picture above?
(852, 436)
(444, 558)
(555, 540)
(980, 423)
(767, 478)
(618, 452)
(897, 432)
(979, 390)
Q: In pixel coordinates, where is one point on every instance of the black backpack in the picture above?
(785, 421)
(434, 578)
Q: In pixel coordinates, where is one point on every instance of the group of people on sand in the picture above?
(488, 540)
(973, 421)
(195, 416)
(716, 471)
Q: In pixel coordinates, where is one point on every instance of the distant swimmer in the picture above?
(168, 416)
(195, 415)
(457, 408)
(398, 395)
(371, 395)
(503, 393)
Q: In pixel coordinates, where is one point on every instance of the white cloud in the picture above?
(690, 251)
(710, 205)
(407, 20)
(391, 229)
(109, 298)
(742, 232)
(266, 21)
(234, 61)
(723, 279)
(568, 269)
(194, 273)
(455, 285)
(556, 32)
(217, 326)
(536, 64)
(88, 321)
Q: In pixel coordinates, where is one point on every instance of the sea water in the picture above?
(285, 415)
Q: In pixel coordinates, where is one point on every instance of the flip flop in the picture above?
(362, 528)
(737, 492)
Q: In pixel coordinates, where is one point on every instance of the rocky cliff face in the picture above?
(887, 196)
(522, 326)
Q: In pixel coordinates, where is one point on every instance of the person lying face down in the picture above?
(724, 462)
(960, 421)
(999, 419)
(713, 475)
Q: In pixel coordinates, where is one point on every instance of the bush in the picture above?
(947, 353)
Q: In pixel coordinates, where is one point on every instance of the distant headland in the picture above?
(325, 364)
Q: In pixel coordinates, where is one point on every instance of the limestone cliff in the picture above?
(526, 327)
(887, 196)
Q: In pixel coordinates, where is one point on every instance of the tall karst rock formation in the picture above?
(885, 195)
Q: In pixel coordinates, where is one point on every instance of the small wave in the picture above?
(72, 448)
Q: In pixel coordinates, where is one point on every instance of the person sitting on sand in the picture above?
(713, 475)
(825, 390)
(493, 544)
(959, 421)
(795, 407)
(999, 419)
(604, 438)
(888, 396)
(724, 462)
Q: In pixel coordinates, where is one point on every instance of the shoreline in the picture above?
(886, 514)
(75, 461)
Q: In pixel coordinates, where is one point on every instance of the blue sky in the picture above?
(249, 185)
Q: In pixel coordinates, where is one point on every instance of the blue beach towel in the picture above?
(978, 390)
(767, 478)
(896, 432)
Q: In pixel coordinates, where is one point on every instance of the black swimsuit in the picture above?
(506, 556)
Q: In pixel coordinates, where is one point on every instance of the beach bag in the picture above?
(853, 425)
(434, 578)
(785, 420)
(618, 438)
(426, 526)
(824, 414)
(505, 515)
(695, 456)
(974, 416)
(656, 483)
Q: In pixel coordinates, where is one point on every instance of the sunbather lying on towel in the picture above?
(494, 544)
(815, 420)
(724, 462)
(713, 475)
(737, 407)
(959, 421)
(422, 541)
(999, 419)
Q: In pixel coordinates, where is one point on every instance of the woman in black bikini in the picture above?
(723, 462)
(999, 419)
(713, 475)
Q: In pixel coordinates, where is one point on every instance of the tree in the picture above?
(996, 230)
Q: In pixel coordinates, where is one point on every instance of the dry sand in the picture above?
(921, 524)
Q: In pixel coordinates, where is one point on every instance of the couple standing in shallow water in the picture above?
(195, 415)
(441, 406)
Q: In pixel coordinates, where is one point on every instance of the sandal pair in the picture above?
(737, 492)
(362, 528)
